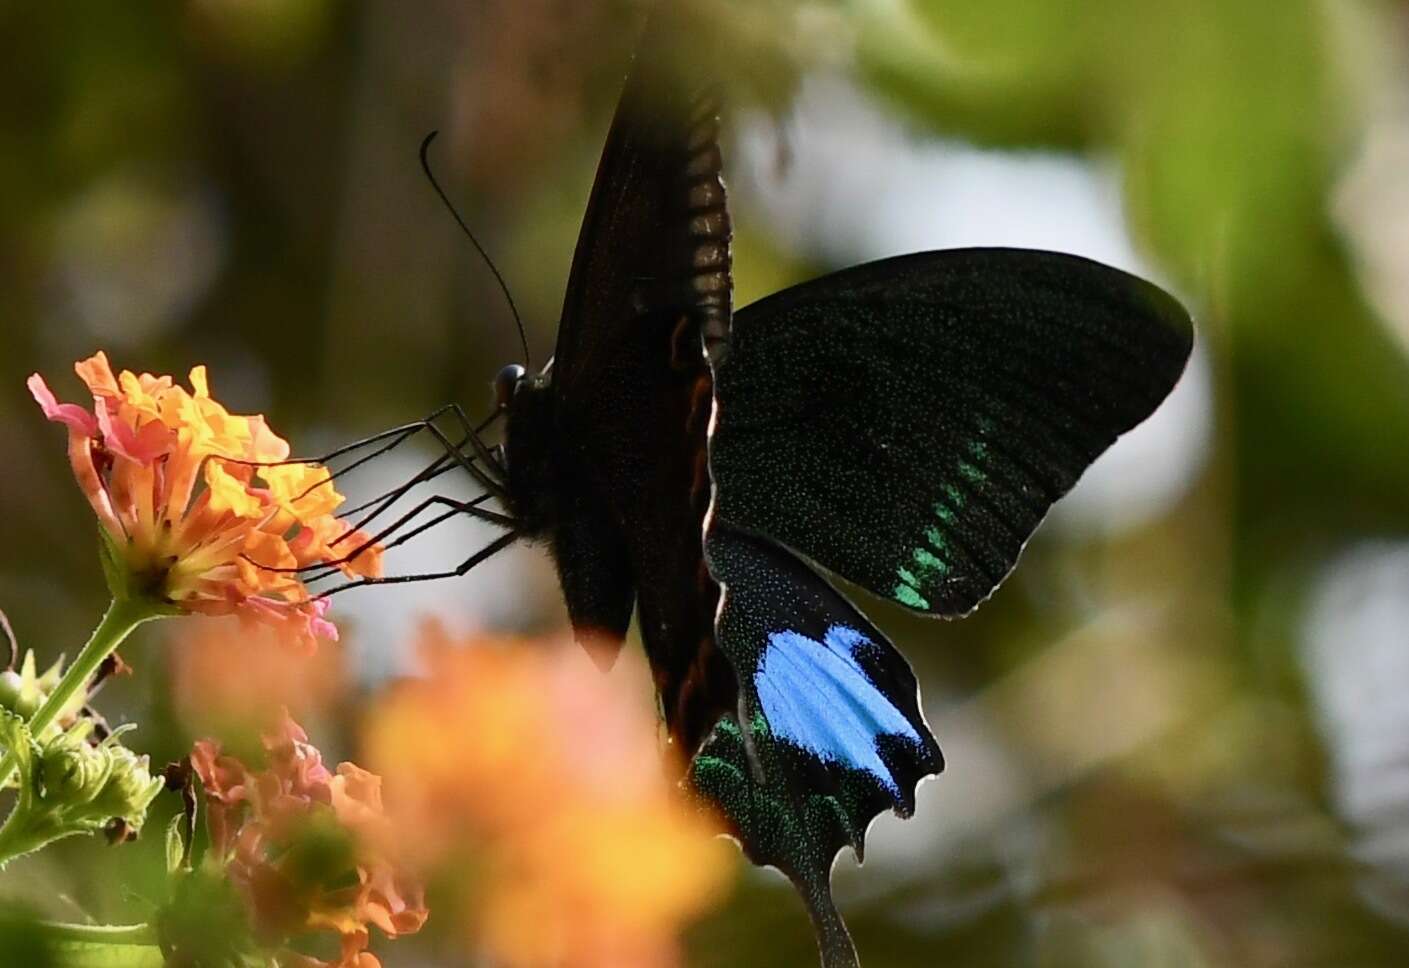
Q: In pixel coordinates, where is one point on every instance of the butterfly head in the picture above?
(507, 383)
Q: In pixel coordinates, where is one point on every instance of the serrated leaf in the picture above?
(19, 743)
(12, 727)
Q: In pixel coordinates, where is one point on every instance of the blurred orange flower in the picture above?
(228, 679)
(187, 517)
(546, 777)
(309, 849)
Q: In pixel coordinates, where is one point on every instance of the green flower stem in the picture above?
(123, 615)
(18, 838)
(106, 934)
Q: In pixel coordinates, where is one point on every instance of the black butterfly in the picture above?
(904, 424)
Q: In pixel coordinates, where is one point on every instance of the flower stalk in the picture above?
(122, 616)
(97, 934)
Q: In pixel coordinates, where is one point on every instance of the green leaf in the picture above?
(19, 742)
(175, 844)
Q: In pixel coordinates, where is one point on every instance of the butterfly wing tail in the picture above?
(833, 939)
(829, 732)
(777, 830)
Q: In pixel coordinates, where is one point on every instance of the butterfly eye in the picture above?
(506, 383)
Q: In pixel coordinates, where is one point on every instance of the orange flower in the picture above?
(187, 518)
(546, 777)
(308, 849)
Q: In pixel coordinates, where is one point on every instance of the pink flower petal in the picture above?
(71, 414)
(139, 446)
(304, 621)
(90, 482)
(319, 626)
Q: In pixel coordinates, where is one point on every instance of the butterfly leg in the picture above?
(325, 569)
(493, 459)
(389, 440)
(488, 551)
(491, 477)
(471, 508)
(453, 451)
(438, 468)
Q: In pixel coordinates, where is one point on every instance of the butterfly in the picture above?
(904, 425)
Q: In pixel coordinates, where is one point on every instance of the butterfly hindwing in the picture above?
(828, 731)
(908, 423)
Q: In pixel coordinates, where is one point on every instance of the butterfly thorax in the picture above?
(532, 495)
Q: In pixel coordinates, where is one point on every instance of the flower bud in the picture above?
(49, 680)
(21, 693)
(23, 690)
(130, 786)
(73, 771)
(12, 691)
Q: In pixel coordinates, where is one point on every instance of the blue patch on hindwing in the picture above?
(817, 696)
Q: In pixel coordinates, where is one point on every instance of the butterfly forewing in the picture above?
(655, 237)
(630, 389)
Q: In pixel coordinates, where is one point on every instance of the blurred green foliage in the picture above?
(1231, 122)
(235, 183)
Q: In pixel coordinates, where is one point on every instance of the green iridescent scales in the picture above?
(907, 424)
(791, 829)
(930, 561)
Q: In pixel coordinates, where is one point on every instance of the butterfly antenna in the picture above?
(503, 286)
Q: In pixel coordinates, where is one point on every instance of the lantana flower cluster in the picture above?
(308, 849)
(519, 761)
(195, 507)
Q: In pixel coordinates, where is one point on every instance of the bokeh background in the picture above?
(1179, 735)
